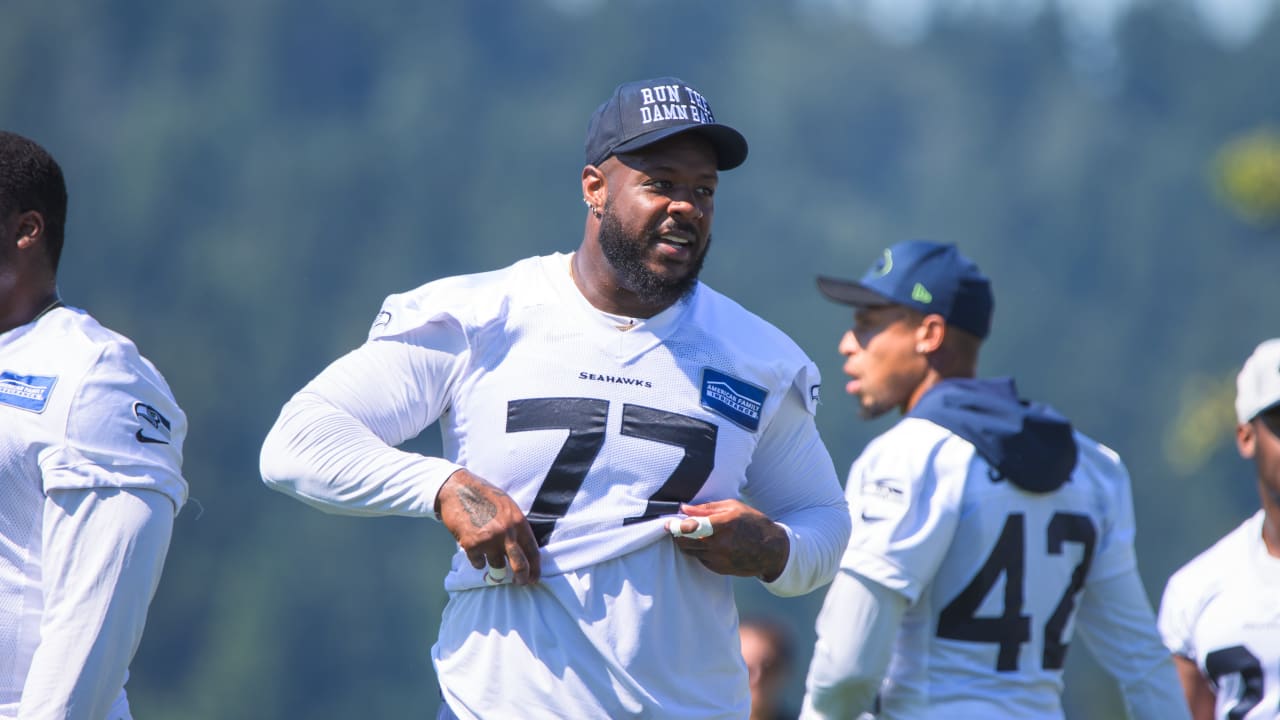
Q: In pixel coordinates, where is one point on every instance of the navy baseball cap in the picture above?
(931, 277)
(643, 112)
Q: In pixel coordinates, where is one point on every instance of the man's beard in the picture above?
(626, 255)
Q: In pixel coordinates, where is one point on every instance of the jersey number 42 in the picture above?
(959, 619)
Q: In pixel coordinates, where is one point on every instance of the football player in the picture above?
(986, 529)
(90, 470)
(1220, 614)
(604, 416)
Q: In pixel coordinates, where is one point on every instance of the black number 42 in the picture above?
(585, 419)
(959, 620)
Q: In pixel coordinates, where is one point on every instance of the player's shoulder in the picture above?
(468, 300)
(108, 408)
(733, 324)
(1101, 473)
(762, 353)
(1221, 559)
(913, 445)
(74, 340)
(1096, 454)
(109, 369)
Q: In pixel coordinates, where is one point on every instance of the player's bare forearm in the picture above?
(743, 542)
(489, 526)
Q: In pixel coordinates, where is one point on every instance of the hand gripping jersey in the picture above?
(79, 408)
(1222, 611)
(993, 519)
(598, 435)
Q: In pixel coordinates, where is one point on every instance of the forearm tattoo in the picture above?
(756, 551)
(479, 508)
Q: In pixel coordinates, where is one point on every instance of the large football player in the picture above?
(604, 415)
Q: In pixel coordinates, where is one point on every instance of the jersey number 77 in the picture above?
(585, 419)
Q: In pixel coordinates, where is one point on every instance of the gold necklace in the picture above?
(57, 302)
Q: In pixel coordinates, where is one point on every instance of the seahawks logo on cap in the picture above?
(885, 265)
(155, 427)
(26, 392)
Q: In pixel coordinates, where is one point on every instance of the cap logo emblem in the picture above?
(921, 295)
(885, 265)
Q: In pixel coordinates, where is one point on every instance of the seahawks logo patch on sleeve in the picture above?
(154, 426)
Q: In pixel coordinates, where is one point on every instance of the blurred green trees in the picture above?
(249, 179)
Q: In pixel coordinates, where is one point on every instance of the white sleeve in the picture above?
(906, 488)
(1174, 621)
(124, 429)
(1117, 624)
(332, 446)
(857, 629)
(793, 480)
(104, 550)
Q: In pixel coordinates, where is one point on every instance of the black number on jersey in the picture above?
(1237, 659)
(585, 419)
(959, 619)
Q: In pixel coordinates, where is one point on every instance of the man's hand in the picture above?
(743, 541)
(489, 526)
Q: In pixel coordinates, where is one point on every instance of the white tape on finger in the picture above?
(495, 575)
(704, 528)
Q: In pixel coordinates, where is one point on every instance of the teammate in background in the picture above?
(90, 470)
(1220, 615)
(593, 405)
(985, 528)
(768, 652)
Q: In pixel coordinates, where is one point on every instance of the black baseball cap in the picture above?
(927, 276)
(643, 112)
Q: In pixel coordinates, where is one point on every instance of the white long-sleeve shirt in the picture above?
(541, 395)
(90, 458)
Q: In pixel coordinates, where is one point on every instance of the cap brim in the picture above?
(730, 146)
(851, 293)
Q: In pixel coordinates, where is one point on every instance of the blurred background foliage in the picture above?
(248, 180)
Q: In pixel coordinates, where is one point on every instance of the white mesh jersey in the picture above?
(1222, 611)
(598, 434)
(992, 573)
(79, 408)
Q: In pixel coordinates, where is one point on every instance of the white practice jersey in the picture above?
(1222, 611)
(992, 573)
(79, 409)
(598, 434)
